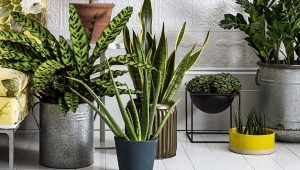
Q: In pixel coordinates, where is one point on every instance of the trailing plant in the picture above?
(223, 83)
(156, 53)
(138, 126)
(256, 123)
(272, 28)
(37, 51)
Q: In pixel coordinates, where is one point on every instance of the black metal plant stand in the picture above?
(190, 133)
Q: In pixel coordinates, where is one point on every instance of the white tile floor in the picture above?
(189, 156)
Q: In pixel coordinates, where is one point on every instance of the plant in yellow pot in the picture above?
(254, 138)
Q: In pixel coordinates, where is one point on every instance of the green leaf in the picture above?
(146, 15)
(72, 101)
(67, 56)
(180, 36)
(21, 66)
(80, 42)
(62, 105)
(44, 74)
(110, 33)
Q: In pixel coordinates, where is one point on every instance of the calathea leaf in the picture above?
(44, 74)
(72, 100)
(17, 65)
(62, 105)
(110, 33)
(80, 42)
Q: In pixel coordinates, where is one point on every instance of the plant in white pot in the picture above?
(273, 31)
(95, 16)
(136, 148)
(66, 137)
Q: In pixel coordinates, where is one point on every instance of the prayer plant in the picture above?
(37, 51)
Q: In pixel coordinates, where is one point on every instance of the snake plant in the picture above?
(272, 28)
(158, 57)
(37, 51)
(136, 130)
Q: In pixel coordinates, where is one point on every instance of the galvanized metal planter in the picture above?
(280, 99)
(66, 141)
(167, 142)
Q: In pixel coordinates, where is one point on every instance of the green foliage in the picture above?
(269, 24)
(51, 61)
(256, 123)
(215, 84)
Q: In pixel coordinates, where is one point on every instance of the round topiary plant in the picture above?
(223, 83)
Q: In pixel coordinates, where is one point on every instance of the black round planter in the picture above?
(133, 155)
(212, 103)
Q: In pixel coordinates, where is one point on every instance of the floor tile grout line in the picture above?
(22, 155)
(187, 154)
(292, 151)
(276, 162)
(248, 161)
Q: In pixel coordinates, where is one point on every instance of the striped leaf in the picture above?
(80, 41)
(119, 60)
(34, 27)
(62, 105)
(21, 66)
(106, 83)
(183, 66)
(116, 73)
(72, 100)
(110, 33)
(17, 52)
(44, 74)
(37, 30)
(67, 56)
(24, 40)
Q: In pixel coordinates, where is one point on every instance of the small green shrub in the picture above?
(223, 83)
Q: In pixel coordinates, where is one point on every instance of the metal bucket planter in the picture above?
(66, 141)
(167, 141)
(279, 87)
(135, 155)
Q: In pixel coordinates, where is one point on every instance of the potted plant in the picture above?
(94, 17)
(272, 30)
(213, 93)
(66, 138)
(165, 67)
(253, 138)
(136, 148)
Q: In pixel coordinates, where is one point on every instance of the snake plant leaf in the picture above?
(160, 59)
(24, 40)
(44, 74)
(80, 41)
(189, 59)
(169, 71)
(146, 15)
(126, 39)
(110, 33)
(21, 66)
(180, 36)
(72, 100)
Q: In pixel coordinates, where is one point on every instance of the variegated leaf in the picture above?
(72, 100)
(21, 66)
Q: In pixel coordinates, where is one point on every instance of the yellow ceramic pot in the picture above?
(252, 144)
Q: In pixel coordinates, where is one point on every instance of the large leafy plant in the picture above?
(156, 54)
(270, 26)
(37, 51)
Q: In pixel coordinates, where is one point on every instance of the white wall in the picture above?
(226, 51)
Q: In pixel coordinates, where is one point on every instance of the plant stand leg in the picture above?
(11, 134)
